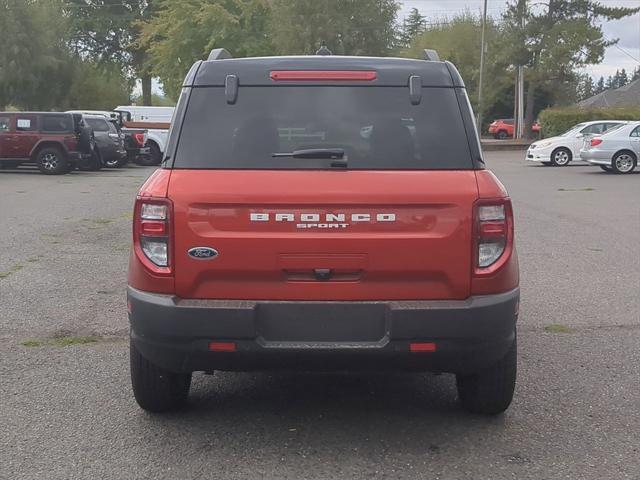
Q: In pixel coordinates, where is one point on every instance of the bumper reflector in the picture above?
(222, 346)
(422, 347)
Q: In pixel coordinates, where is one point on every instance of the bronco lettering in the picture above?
(329, 218)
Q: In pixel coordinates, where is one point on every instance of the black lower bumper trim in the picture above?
(469, 334)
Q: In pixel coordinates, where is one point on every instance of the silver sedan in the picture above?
(615, 151)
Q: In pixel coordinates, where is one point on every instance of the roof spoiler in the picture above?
(219, 54)
(431, 55)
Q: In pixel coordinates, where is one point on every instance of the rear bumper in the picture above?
(596, 157)
(469, 334)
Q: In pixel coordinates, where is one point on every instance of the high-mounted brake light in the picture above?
(322, 75)
(152, 234)
(595, 142)
(493, 227)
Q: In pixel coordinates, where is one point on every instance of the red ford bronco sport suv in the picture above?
(323, 213)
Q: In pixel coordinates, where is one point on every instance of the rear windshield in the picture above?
(98, 124)
(376, 127)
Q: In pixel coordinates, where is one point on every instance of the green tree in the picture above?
(586, 88)
(555, 39)
(412, 26)
(636, 74)
(39, 72)
(600, 86)
(94, 86)
(108, 31)
(33, 56)
(622, 78)
(349, 27)
(457, 40)
(158, 100)
(182, 32)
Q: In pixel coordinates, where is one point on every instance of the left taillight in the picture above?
(152, 233)
(493, 232)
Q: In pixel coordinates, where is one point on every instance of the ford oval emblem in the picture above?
(203, 253)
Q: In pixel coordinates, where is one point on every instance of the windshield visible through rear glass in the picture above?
(98, 124)
(375, 127)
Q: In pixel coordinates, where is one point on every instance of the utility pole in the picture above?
(482, 52)
(518, 113)
(518, 108)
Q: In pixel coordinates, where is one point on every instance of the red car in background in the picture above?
(504, 128)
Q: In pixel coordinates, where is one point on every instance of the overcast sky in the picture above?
(625, 55)
(616, 57)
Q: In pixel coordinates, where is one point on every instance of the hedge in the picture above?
(555, 121)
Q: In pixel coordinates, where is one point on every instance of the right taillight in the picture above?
(152, 233)
(139, 137)
(493, 232)
(595, 142)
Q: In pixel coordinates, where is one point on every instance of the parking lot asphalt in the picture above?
(67, 412)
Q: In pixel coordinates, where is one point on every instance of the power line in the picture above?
(625, 52)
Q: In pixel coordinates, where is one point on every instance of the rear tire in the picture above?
(502, 134)
(156, 389)
(144, 160)
(52, 161)
(94, 163)
(561, 157)
(115, 162)
(490, 391)
(155, 154)
(623, 162)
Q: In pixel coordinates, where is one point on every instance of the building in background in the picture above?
(627, 96)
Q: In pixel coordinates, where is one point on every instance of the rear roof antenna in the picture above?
(219, 54)
(323, 50)
(431, 55)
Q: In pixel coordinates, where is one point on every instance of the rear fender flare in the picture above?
(158, 139)
(47, 144)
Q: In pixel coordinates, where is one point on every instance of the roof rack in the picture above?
(219, 54)
(431, 55)
(324, 50)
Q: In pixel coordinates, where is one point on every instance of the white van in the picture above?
(147, 114)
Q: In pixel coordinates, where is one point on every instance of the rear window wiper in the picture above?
(328, 153)
(335, 154)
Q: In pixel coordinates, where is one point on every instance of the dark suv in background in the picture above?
(49, 140)
(109, 143)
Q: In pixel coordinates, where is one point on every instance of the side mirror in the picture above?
(580, 135)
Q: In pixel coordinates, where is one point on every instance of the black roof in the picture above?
(34, 113)
(390, 71)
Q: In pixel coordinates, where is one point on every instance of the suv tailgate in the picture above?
(391, 235)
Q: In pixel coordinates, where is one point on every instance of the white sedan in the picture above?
(560, 150)
(616, 151)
